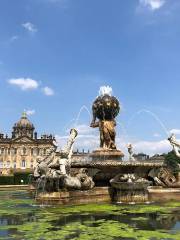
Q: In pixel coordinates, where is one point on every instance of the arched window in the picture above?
(23, 163)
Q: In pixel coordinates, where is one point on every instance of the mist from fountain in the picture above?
(84, 107)
(151, 114)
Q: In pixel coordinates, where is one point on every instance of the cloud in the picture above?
(152, 147)
(156, 135)
(152, 4)
(175, 131)
(88, 139)
(48, 91)
(14, 38)
(30, 27)
(24, 83)
(30, 112)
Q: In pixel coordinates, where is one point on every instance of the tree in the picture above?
(172, 161)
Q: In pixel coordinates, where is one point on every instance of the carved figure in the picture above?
(55, 171)
(131, 153)
(175, 144)
(164, 177)
(105, 109)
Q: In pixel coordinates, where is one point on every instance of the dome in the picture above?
(23, 127)
(24, 122)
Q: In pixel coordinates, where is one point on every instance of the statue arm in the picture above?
(94, 124)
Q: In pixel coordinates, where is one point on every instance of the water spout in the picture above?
(153, 115)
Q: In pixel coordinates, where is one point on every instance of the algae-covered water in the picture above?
(21, 218)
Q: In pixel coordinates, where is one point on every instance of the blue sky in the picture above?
(55, 54)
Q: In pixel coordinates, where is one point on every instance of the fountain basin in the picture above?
(130, 191)
(130, 185)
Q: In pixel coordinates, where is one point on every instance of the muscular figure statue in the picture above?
(175, 144)
(107, 133)
(54, 170)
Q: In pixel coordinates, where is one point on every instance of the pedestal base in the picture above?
(102, 154)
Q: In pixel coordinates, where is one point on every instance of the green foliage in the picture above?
(6, 180)
(172, 161)
(15, 179)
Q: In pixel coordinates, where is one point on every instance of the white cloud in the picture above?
(30, 27)
(30, 112)
(48, 91)
(156, 135)
(152, 147)
(14, 38)
(90, 141)
(175, 131)
(152, 4)
(24, 83)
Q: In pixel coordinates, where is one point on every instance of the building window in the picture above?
(31, 164)
(23, 163)
(1, 163)
(24, 151)
(44, 151)
(14, 164)
(35, 151)
(8, 164)
(9, 151)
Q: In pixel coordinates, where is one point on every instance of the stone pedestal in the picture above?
(105, 155)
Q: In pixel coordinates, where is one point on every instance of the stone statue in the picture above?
(164, 177)
(131, 153)
(54, 171)
(175, 144)
(107, 133)
(105, 109)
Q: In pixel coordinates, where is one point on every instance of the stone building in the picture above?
(21, 150)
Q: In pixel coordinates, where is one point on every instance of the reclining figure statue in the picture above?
(164, 176)
(54, 170)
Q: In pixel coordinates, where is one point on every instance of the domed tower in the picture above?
(23, 127)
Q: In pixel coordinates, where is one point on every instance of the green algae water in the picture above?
(22, 218)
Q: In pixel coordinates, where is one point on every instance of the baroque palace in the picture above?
(21, 150)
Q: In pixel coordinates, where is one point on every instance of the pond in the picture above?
(21, 218)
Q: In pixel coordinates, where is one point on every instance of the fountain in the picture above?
(106, 108)
(105, 177)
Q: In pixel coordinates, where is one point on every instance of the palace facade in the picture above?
(21, 150)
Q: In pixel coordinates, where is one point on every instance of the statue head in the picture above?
(73, 132)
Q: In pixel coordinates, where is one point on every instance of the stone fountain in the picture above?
(105, 177)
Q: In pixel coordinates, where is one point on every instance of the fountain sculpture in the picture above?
(53, 173)
(105, 177)
(106, 108)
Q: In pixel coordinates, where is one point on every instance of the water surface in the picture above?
(21, 218)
